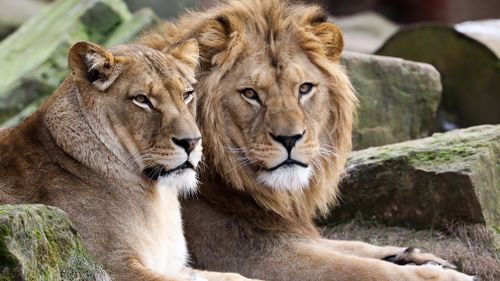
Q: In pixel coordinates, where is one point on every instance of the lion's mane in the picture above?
(224, 34)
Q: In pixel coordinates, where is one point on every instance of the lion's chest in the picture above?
(165, 247)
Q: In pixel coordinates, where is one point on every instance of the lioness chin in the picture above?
(276, 112)
(113, 147)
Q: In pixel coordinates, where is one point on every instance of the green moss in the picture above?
(447, 155)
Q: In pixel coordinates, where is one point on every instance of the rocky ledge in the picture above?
(426, 183)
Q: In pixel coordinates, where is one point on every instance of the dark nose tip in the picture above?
(288, 141)
(187, 144)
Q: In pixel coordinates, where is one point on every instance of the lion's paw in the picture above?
(417, 257)
(438, 272)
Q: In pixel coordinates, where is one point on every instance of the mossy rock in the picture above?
(426, 183)
(38, 242)
(398, 98)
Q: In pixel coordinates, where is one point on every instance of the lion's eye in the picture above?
(142, 101)
(250, 95)
(305, 88)
(188, 96)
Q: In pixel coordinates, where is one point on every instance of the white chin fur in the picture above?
(286, 178)
(184, 181)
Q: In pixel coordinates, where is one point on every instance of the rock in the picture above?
(39, 243)
(398, 98)
(364, 32)
(468, 58)
(428, 183)
(34, 58)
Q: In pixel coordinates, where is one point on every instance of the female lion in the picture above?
(113, 147)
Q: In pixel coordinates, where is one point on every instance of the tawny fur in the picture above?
(85, 150)
(264, 228)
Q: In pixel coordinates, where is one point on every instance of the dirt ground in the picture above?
(470, 248)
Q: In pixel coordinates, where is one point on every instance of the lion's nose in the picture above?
(288, 141)
(188, 144)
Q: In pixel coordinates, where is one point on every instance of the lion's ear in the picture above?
(214, 38)
(315, 20)
(93, 63)
(187, 52)
(331, 39)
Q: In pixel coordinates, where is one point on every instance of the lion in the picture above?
(276, 112)
(113, 147)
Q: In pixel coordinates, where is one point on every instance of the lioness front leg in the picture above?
(397, 255)
(137, 271)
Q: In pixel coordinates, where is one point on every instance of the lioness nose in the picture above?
(187, 144)
(288, 141)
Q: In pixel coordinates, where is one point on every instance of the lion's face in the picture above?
(146, 99)
(276, 114)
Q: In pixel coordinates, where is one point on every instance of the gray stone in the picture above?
(39, 243)
(426, 183)
(364, 32)
(398, 98)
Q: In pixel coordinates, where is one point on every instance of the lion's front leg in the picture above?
(322, 264)
(397, 255)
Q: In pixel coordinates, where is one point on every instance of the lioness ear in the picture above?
(93, 63)
(187, 52)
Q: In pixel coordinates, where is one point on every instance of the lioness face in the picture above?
(278, 107)
(146, 98)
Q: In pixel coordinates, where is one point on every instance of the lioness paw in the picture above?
(417, 257)
(235, 277)
(222, 276)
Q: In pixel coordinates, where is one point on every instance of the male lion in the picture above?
(276, 112)
(113, 147)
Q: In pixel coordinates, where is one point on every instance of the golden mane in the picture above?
(230, 31)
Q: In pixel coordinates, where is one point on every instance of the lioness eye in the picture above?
(305, 88)
(250, 95)
(142, 101)
(187, 96)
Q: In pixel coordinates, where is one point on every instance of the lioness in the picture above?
(113, 147)
(276, 112)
